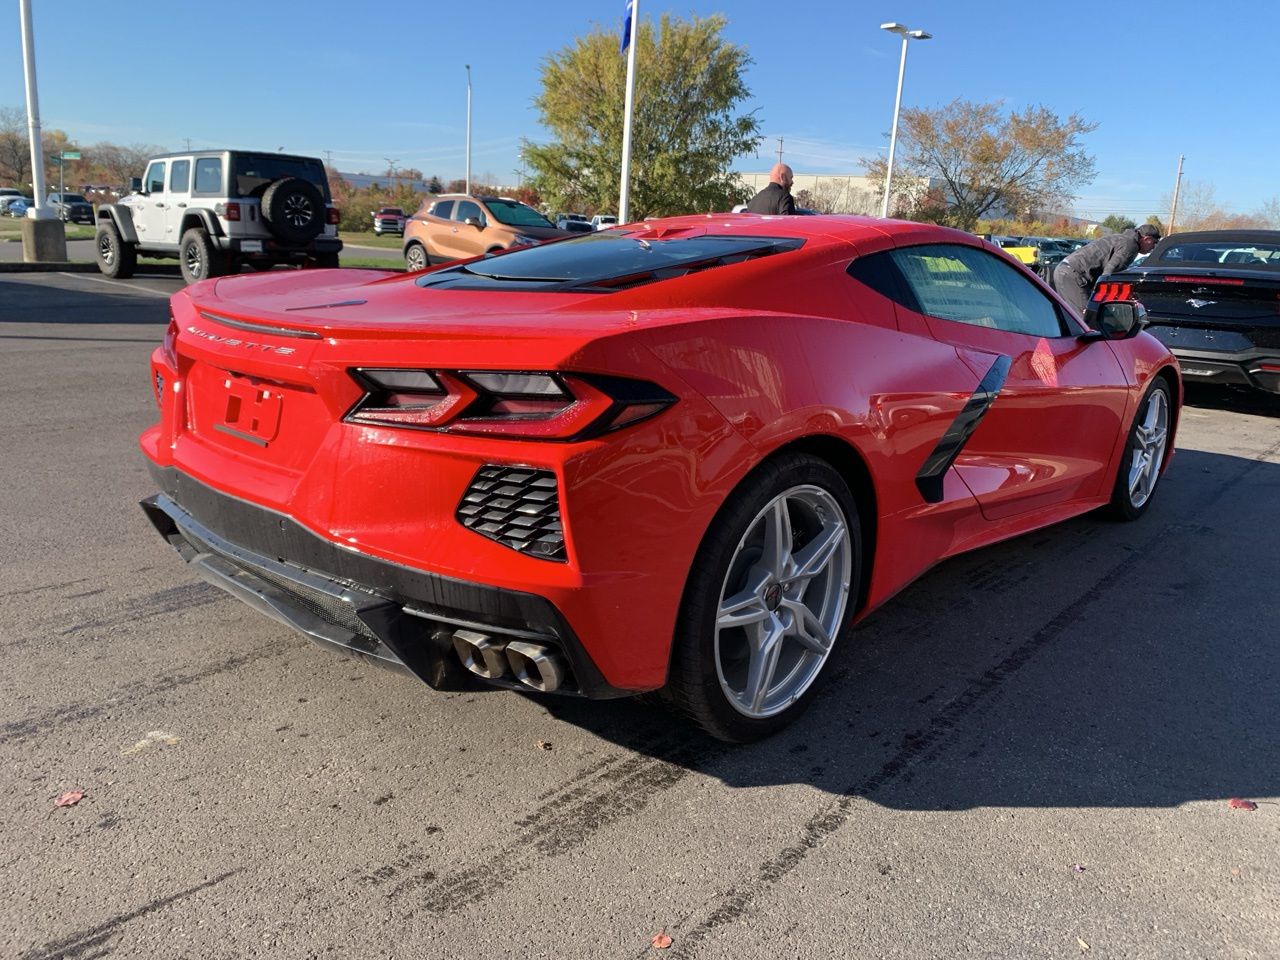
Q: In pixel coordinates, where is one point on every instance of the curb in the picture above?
(48, 266)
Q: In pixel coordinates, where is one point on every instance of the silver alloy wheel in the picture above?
(297, 210)
(194, 261)
(106, 248)
(1150, 438)
(783, 601)
(416, 258)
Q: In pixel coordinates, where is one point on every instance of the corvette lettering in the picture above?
(236, 342)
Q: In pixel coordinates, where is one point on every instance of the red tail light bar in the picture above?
(1111, 290)
(513, 404)
(332, 216)
(1207, 281)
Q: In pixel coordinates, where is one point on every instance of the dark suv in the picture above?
(216, 210)
(71, 207)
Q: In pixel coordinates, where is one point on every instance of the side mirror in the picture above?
(135, 184)
(1121, 319)
(474, 222)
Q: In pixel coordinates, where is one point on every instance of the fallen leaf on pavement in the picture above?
(1235, 871)
(69, 799)
(152, 737)
(660, 940)
(1078, 867)
(1237, 803)
(1083, 946)
(544, 744)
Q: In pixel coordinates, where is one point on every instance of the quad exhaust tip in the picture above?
(535, 666)
(532, 664)
(480, 654)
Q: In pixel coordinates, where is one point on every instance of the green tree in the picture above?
(686, 130)
(986, 161)
(1116, 223)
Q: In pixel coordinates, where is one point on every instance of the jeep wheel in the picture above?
(293, 209)
(116, 259)
(198, 258)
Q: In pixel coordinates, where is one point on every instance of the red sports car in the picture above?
(684, 455)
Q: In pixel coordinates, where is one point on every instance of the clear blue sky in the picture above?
(375, 81)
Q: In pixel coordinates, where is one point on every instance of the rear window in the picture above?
(1221, 252)
(604, 262)
(252, 173)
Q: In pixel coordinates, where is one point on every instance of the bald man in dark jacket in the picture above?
(776, 196)
(1075, 276)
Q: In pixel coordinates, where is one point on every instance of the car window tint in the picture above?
(442, 209)
(968, 285)
(155, 177)
(468, 209)
(180, 176)
(209, 175)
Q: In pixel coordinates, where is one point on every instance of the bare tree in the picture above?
(15, 151)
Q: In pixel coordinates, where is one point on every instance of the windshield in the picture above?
(1224, 252)
(516, 214)
(604, 261)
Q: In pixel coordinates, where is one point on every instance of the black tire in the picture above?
(694, 683)
(116, 259)
(293, 209)
(416, 257)
(198, 258)
(1141, 445)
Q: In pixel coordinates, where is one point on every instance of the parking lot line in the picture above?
(116, 285)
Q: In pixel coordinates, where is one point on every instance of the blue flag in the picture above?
(626, 25)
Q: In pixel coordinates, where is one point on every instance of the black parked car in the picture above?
(1214, 299)
(71, 207)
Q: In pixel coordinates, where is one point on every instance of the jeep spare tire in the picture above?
(293, 209)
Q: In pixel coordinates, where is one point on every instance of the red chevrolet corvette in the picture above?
(685, 455)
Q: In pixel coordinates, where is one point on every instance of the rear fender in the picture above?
(203, 220)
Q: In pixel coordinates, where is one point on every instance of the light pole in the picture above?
(468, 190)
(906, 34)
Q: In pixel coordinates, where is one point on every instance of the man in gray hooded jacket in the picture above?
(1075, 276)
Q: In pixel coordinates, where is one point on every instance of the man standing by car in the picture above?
(1075, 276)
(776, 197)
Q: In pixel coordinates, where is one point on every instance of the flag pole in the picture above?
(624, 195)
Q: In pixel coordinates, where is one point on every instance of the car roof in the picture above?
(221, 150)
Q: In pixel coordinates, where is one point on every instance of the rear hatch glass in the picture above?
(252, 173)
(603, 262)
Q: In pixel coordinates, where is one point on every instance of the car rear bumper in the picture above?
(1236, 362)
(356, 604)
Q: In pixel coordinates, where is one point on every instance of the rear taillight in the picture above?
(533, 406)
(168, 349)
(1208, 281)
(231, 211)
(333, 216)
(1112, 290)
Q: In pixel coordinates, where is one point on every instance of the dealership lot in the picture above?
(1031, 749)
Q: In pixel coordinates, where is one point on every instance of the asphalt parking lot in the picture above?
(1028, 753)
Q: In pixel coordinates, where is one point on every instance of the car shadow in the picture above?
(1092, 663)
(1207, 396)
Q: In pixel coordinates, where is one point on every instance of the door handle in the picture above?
(159, 206)
(182, 204)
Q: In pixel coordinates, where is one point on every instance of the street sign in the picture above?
(70, 154)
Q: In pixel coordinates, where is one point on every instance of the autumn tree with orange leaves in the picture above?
(987, 161)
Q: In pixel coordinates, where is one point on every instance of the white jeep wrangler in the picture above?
(216, 210)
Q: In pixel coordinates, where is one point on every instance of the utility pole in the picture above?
(391, 171)
(187, 141)
(779, 149)
(328, 159)
(468, 180)
(43, 236)
(1173, 210)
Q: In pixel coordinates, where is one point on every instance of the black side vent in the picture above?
(519, 507)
